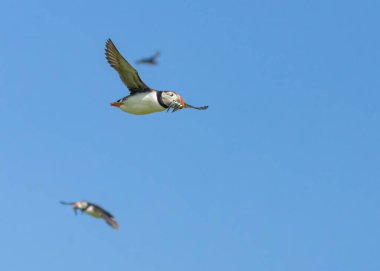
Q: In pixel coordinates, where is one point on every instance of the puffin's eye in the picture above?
(171, 94)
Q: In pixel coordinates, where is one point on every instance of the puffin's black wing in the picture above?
(107, 216)
(156, 55)
(100, 209)
(127, 73)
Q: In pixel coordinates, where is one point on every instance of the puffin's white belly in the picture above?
(91, 211)
(142, 103)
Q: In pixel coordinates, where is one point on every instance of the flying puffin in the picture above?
(149, 60)
(93, 210)
(142, 99)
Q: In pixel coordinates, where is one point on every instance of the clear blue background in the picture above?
(281, 173)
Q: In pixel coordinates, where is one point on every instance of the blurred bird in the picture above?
(93, 210)
(142, 99)
(149, 60)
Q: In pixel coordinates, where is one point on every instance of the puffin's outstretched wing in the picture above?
(127, 73)
(108, 217)
(156, 55)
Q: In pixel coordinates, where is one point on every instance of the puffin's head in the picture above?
(173, 100)
(81, 205)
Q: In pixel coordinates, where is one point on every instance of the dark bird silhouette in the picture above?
(149, 60)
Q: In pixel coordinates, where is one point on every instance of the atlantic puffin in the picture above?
(93, 210)
(142, 99)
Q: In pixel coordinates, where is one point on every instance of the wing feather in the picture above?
(107, 216)
(128, 74)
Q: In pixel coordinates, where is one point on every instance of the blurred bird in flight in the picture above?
(93, 210)
(149, 60)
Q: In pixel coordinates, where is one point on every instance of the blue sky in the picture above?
(281, 173)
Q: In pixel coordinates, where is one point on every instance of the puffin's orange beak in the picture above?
(181, 101)
(117, 104)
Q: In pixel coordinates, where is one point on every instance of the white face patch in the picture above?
(82, 204)
(170, 96)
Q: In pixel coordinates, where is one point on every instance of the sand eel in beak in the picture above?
(142, 99)
(149, 60)
(93, 210)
